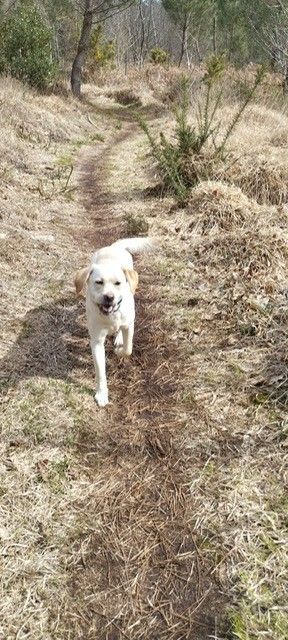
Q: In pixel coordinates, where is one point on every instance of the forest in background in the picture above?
(87, 35)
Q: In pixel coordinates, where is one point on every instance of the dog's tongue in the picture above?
(108, 308)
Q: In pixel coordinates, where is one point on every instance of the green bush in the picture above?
(158, 55)
(185, 160)
(101, 51)
(26, 46)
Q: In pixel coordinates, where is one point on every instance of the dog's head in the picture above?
(107, 284)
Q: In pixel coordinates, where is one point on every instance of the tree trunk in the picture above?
(273, 58)
(197, 49)
(142, 37)
(285, 78)
(214, 35)
(82, 50)
(148, 30)
(155, 35)
(184, 40)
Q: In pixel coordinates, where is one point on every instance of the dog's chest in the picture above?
(114, 324)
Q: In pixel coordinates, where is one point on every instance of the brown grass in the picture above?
(235, 271)
(250, 254)
(162, 83)
(40, 249)
(214, 206)
(263, 181)
(153, 83)
(260, 168)
(126, 97)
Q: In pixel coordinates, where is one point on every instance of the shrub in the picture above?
(101, 51)
(26, 46)
(184, 160)
(158, 56)
(126, 97)
(136, 225)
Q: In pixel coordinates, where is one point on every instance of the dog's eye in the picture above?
(98, 281)
(117, 283)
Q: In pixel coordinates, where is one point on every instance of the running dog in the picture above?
(111, 285)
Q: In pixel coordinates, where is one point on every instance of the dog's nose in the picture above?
(108, 298)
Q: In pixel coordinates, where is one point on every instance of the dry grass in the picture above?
(223, 282)
(214, 206)
(264, 181)
(163, 516)
(40, 230)
(161, 83)
(248, 254)
(126, 97)
(231, 312)
(151, 84)
(260, 168)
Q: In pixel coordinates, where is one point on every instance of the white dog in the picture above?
(111, 284)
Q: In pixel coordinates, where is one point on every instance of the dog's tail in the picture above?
(136, 245)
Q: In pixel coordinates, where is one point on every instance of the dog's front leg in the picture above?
(127, 347)
(98, 352)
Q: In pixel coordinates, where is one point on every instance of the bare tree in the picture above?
(143, 31)
(93, 11)
(277, 39)
(272, 36)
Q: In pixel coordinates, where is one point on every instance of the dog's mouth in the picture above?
(107, 308)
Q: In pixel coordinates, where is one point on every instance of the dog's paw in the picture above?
(122, 353)
(118, 340)
(101, 398)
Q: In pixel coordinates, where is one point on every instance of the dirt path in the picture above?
(139, 571)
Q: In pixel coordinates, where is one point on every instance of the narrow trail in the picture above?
(139, 572)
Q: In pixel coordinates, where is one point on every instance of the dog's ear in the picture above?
(132, 278)
(80, 279)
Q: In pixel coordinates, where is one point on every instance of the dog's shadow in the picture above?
(53, 343)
